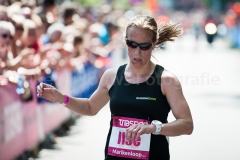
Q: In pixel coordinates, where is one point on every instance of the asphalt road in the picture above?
(210, 80)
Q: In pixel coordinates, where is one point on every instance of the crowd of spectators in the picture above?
(232, 21)
(38, 38)
(34, 40)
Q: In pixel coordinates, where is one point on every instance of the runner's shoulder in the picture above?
(169, 77)
(111, 72)
(109, 76)
(169, 82)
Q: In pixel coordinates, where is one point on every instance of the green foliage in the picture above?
(117, 4)
(121, 4)
(206, 2)
(89, 2)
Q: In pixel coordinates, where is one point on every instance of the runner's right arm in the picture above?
(82, 106)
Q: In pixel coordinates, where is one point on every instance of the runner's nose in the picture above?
(137, 50)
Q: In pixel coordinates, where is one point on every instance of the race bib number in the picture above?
(119, 147)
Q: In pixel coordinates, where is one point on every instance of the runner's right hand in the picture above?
(49, 93)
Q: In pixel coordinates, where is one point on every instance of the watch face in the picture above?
(156, 122)
(158, 125)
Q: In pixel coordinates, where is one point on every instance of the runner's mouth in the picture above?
(137, 60)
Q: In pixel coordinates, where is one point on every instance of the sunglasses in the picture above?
(142, 46)
(6, 36)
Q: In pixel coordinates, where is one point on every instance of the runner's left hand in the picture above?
(136, 130)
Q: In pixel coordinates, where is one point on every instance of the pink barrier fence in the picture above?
(24, 124)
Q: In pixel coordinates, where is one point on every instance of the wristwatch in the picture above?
(158, 125)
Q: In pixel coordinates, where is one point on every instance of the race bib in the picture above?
(119, 147)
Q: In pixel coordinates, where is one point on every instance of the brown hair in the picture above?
(161, 32)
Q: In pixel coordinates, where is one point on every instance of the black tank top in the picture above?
(144, 101)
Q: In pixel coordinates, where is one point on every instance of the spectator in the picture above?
(6, 34)
(55, 32)
(17, 21)
(3, 13)
(29, 37)
(68, 15)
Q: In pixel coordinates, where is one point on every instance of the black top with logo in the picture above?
(144, 101)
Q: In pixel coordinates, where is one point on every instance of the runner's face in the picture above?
(139, 57)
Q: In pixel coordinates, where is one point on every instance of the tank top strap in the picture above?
(158, 72)
(121, 69)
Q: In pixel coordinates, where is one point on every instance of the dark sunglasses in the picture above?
(142, 46)
(6, 35)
